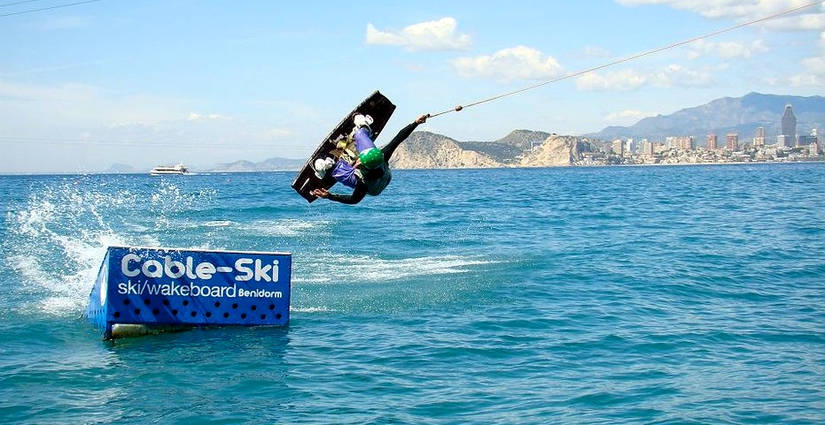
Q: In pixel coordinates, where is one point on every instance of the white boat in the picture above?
(169, 169)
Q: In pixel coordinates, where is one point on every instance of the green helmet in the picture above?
(372, 158)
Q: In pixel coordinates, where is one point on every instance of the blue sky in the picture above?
(203, 82)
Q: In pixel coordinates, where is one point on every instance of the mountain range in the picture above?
(740, 115)
(271, 164)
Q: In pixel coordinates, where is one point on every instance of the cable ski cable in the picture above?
(629, 58)
(17, 2)
(45, 8)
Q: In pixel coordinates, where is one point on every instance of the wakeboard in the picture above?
(377, 106)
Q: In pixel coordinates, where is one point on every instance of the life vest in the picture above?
(347, 148)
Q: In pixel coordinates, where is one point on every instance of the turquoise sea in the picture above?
(680, 294)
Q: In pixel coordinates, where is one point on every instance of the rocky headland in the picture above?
(520, 148)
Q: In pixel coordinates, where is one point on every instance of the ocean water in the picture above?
(691, 294)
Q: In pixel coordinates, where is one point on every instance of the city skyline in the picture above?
(787, 136)
(788, 146)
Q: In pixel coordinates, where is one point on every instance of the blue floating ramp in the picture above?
(139, 290)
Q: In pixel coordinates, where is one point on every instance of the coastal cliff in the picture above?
(555, 151)
(429, 150)
(520, 148)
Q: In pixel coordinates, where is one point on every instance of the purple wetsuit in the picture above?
(343, 171)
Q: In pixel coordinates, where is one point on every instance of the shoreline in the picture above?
(207, 173)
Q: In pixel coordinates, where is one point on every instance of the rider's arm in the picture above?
(356, 197)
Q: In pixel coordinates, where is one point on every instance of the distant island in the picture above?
(271, 164)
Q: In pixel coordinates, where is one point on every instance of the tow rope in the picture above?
(627, 59)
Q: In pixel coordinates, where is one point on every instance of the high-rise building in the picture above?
(680, 142)
(685, 143)
(805, 140)
(789, 126)
(759, 138)
(630, 146)
(813, 149)
(711, 142)
(811, 142)
(732, 143)
(647, 148)
(618, 147)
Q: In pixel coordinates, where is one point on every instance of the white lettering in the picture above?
(152, 268)
(205, 270)
(130, 266)
(240, 266)
(169, 264)
(189, 268)
(246, 269)
(192, 290)
(124, 265)
(128, 288)
(261, 273)
(259, 293)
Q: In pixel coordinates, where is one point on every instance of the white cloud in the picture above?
(595, 52)
(804, 22)
(807, 80)
(815, 64)
(63, 23)
(194, 116)
(50, 68)
(277, 134)
(72, 127)
(430, 35)
(622, 80)
(727, 49)
(627, 116)
(74, 108)
(73, 105)
(813, 74)
(812, 18)
(770, 80)
(30, 92)
(808, 19)
(628, 79)
(677, 75)
(813, 69)
(515, 63)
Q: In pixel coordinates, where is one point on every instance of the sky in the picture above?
(152, 82)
